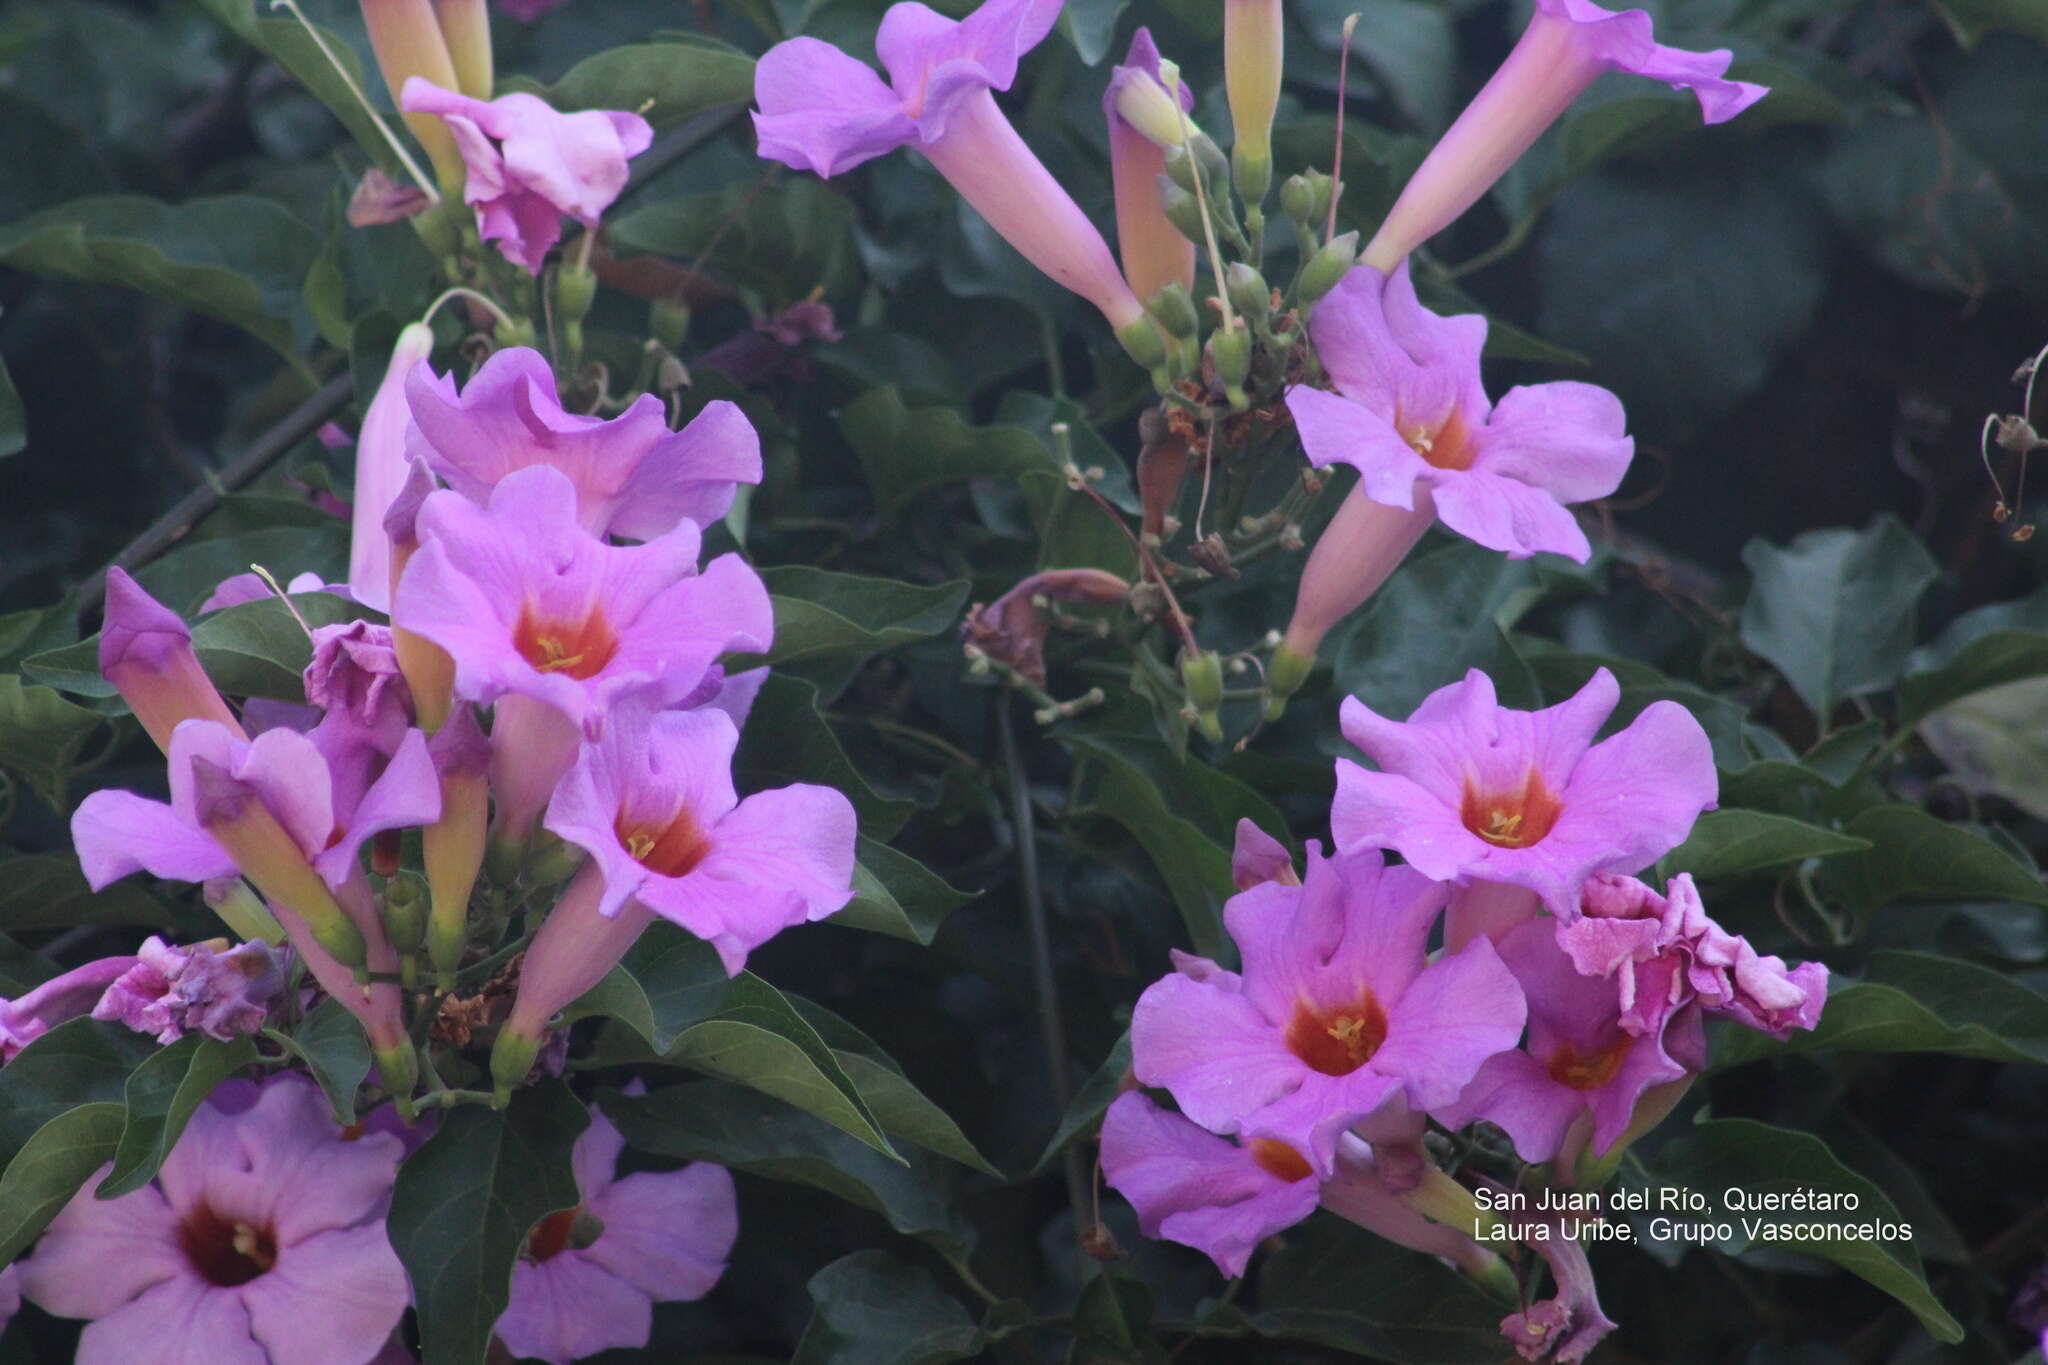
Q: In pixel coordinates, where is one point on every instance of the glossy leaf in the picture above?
(895, 894)
(51, 1167)
(1090, 1102)
(907, 451)
(1915, 857)
(160, 1098)
(664, 83)
(872, 1309)
(1722, 1154)
(41, 737)
(48, 891)
(819, 613)
(13, 418)
(781, 242)
(1331, 1287)
(465, 1203)
(331, 1044)
(1730, 843)
(788, 740)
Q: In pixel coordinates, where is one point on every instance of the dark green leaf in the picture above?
(819, 613)
(900, 1107)
(1981, 649)
(1090, 25)
(41, 736)
(908, 451)
(1722, 1154)
(893, 894)
(1916, 1002)
(1090, 1102)
(781, 242)
(1995, 742)
(49, 1169)
(664, 83)
(82, 1061)
(1330, 1286)
(332, 1045)
(161, 1095)
(1728, 843)
(1915, 857)
(238, 258)
(465, 1203)
(285, 41)
(872, 1309)
(787, 740)
(47, 891)
(671, 989)
(714, 1121)
(13, 419)
(1111, 1321)
(1834, 609)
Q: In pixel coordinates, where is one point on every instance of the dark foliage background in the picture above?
(1808, 313)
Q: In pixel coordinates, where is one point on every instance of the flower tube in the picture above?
(823, 111)
(466, 28)
(1567, 44)
(381, 470)
(1155, 253)
(406, 37)
(146, 653)
(1253, 44)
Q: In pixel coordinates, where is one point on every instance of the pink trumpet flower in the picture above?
(1155, 253)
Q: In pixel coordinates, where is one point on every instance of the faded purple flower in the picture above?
(1335, 1012)
(633, 476)
(56, 1001)
(1469, 790)
(260, 1242)
(210, 989)
(1568, 1325)
(1664, 953)
(823, 111)
(1579, 1059)
(589, 1277)
(530, 164)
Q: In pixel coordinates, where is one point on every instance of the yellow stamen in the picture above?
(556, 659)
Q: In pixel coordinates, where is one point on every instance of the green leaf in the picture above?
(1980, 650)
(664, 83)
(257, 649)
(1330, 1286)
(671, 989)
(286, 42)
(751, 1132)
(900, 1107)
(1441, 613)
(1728, 843)
(788, 740)
(872, 1309)
(1723, 1154)
(893, 894)
(1183, 812)
(1995, 742)
(819, 613)
(1090, 1102)
(1972, 19)
(1834, 609)
(782, 242)
(161, 1095)
(908, 451)
(13, 418)
(41, 735)
(238, 258)
(49, 1169)
(465, 1203)
(81, 1061)
(47, 891)
(1915, 1002)
(1915, 857)
(331, 1044)
(188, 575)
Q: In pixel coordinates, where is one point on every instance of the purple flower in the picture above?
(1258, 858)
(653, 804)
(56, 1001)
(237, 589)
(823, 111)
(355, 671)
(221, 992)
(1569, 1323)
(1192, 1187)
(381, 470)
(146, 653)
(1334, 1014)
(1469, 790)
(1411, 415)
(10, 1293)
(633, 476)
(1664, 953)
(1155, 253)
(1579, 1058)
(529, 164)
(1567, 44)
(590, 1276)
(261, 1242)
(527, 602)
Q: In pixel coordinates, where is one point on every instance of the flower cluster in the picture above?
(1565, 1007)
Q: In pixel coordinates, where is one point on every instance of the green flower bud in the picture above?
(1172, 309)
(1202, 675)
(1319, 196)
(575, 290)
(1297, 199)
(1180, 168)
(514, 332)
(405, 912)
(1142, 342)
(1248, 290)
(1230, 353)
(1328, 266)
(1181, 210)
(668, 322)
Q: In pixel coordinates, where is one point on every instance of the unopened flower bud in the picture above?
(515, 332)
(668, 322)
(575, 290)
(1320, 188)
(1181, 210)
(1249, 292)
(1284, 677)
(405, 918)
(1328, 266)
(1230, 354)
(1175, 311)
(1297, 199)
(1141, 340)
